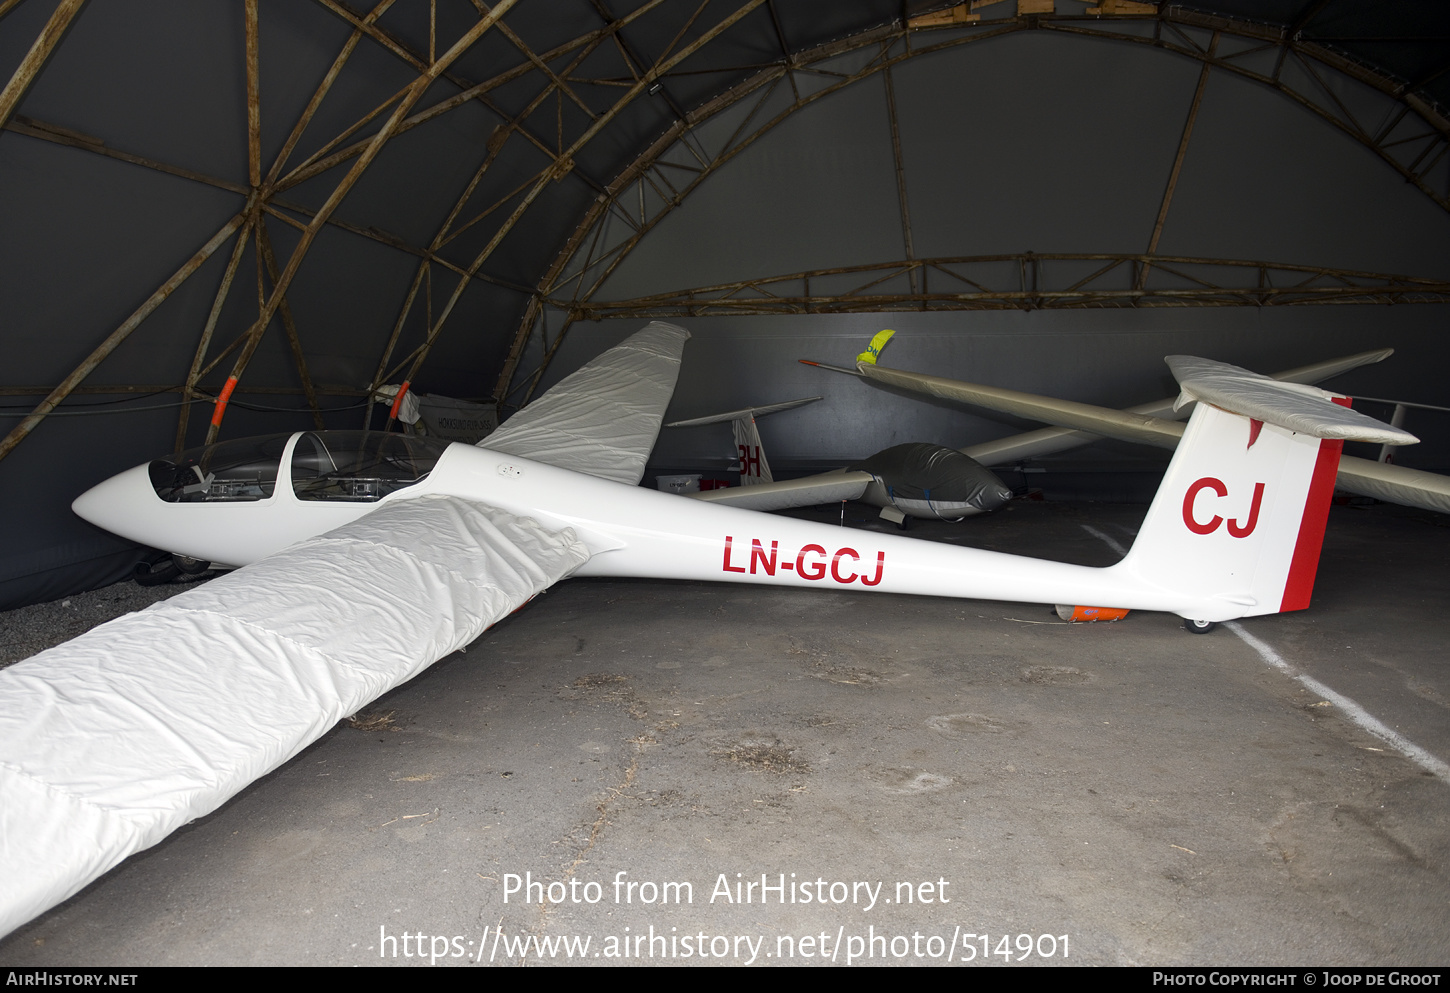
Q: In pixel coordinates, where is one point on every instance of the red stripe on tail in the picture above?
(1300, 584)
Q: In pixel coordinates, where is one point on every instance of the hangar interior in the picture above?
(235, 218)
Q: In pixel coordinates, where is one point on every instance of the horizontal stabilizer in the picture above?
(1298, 407)
(769, 408)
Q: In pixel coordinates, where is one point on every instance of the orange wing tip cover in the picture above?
(222, 398)
(398, 400)
(1081, 615)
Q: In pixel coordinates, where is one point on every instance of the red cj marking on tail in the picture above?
(1211, 525)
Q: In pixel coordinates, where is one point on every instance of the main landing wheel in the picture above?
(1199, 627)
(156, 573)
(190, 566)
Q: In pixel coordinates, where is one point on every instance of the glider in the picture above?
(366, 559)
(912, 480)
(935, 482)
(1150, 424)
(754, 467)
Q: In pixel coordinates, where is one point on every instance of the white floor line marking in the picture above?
(1354, 711)
(1107, 539)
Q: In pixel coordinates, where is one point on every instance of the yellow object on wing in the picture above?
(873, 350)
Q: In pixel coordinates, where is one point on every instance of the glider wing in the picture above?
(603, 418)
(1382, 481)
(110, 742)
(829, 487)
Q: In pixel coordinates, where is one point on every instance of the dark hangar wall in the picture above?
(1033, 143)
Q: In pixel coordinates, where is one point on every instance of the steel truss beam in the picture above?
(1027, 281)
(1413, 139)
(260, 195)
(30, 66)
(263, 193)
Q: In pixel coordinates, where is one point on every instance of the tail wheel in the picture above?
(1199, 627)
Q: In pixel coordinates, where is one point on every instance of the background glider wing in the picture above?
(1396, 484)
(770, 408)
(1102, 420)
(830, 487)
(603, 418)
(1049, 441)
(110, 742)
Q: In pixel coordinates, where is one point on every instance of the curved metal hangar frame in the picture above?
(585, 131)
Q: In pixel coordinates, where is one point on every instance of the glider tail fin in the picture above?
(1235, 523)
(1238, 522)
(753, 466)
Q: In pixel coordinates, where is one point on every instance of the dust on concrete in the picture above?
(772, 757)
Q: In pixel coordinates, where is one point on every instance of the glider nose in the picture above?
(117, 502)
(996, 496)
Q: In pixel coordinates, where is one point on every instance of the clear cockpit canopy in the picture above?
(360, 466)
(348, 466)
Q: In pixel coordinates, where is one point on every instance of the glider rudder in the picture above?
(1238, 521)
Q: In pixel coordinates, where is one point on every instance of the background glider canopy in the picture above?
(931, 480)
(602, 419)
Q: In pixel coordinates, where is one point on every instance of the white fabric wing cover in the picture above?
(603, 418)
(112, 741)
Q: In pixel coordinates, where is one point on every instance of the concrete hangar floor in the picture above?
(702, 773)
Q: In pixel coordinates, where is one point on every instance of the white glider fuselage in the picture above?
(632, 531)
